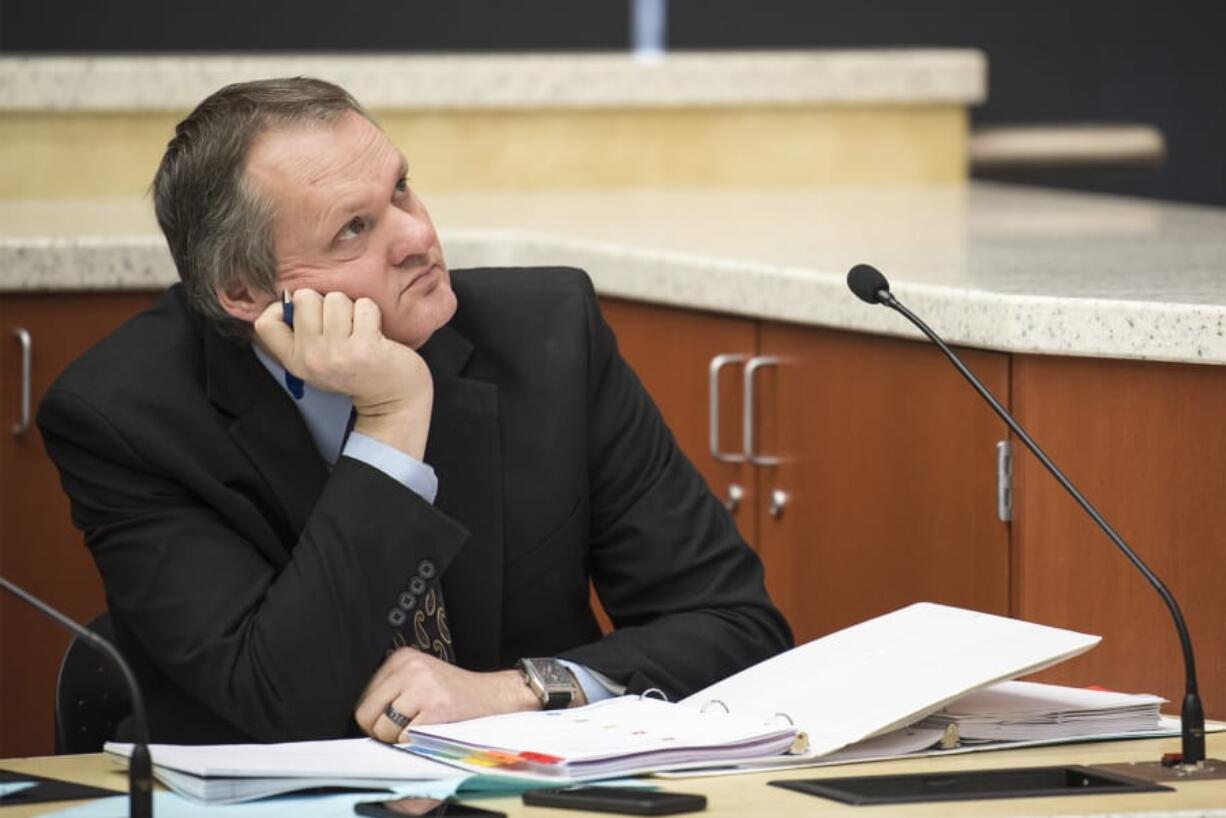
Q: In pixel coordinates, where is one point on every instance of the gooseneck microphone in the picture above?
(140, 766)
(871, 286)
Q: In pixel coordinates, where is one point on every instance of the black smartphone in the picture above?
(425, 807)
(628, 800)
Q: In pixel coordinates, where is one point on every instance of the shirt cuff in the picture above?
(409, 472)
(596, 686)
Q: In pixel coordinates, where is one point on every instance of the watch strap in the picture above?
(556, 699)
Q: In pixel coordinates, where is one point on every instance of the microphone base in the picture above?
(140, 782)
(1157, 772)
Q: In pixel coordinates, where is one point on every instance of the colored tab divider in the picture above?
(490, 757)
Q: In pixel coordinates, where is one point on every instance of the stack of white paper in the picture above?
(240, 772)
(622, 736)
(1026, 711)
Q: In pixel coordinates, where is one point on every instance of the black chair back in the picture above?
(91, 698)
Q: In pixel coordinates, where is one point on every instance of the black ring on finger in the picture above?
(396, 717)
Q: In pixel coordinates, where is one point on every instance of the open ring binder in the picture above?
(799, 745)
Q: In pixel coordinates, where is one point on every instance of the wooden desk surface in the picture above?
(742, 796)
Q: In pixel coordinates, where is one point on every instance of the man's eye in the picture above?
(355, 226)
(402, 186)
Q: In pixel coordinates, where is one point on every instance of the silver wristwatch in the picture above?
(552, 683)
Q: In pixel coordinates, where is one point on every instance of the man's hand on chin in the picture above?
(427, 690)
(337, 345)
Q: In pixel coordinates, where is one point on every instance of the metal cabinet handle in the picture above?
(747, 441)
(779, 499)
(23, 337)
(732, 500)
(718, 363)
(1004, 481)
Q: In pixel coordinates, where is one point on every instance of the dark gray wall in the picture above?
(311, 25)
(1049, 60)
(1159, 63)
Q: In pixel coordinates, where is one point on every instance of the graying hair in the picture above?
(218, 227)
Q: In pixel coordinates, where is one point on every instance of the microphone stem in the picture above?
(1191, 706)
(140, 773)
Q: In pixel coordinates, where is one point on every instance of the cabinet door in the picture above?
(889, 467)
(1146, 443)
(39, 548)
(671, 351)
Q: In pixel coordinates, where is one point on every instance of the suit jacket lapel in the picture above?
(464, 448)
(270, 431)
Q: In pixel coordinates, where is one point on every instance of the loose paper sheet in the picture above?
(361, 758)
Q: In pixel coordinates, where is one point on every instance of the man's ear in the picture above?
(242, 301)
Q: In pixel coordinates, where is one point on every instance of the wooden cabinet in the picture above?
(888, 464)
(879, 444)
(39, 548)
(1146, 443)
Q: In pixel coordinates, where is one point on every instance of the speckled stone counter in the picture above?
(996, 267)
(919, 76)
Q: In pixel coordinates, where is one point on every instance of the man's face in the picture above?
(345, 219)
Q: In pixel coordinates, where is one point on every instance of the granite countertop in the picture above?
(989, 266)
(591, 80)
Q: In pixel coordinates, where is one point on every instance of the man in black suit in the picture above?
(372, 508)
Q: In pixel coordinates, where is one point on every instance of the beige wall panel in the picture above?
(720, 147)
(81, 154)
(104, 155)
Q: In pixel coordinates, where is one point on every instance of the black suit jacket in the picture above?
(250, 586)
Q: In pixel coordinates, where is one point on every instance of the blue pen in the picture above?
(292, 382)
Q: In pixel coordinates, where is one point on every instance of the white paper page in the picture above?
(1013, 711)
(613, 728)
(1168, 726)
(894, 743)
(1018, 698)
(341, 758)
(219, 791)
(888, 672)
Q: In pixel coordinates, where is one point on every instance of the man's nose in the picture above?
(412, 236)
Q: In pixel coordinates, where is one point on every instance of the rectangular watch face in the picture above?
(553, 674)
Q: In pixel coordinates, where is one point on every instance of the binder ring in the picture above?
(785, 716)
(703, 709)
(646, 694)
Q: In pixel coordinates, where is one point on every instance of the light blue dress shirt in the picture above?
(326, 415)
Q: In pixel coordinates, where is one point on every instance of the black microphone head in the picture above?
(866, 282)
